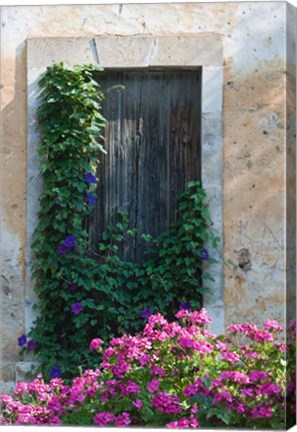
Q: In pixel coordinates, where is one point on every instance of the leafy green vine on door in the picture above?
(82, 295)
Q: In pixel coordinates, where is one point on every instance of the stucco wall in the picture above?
(258, 52)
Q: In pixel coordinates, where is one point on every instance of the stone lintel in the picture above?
(187, 50)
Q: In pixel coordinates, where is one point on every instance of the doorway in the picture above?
(152, 138)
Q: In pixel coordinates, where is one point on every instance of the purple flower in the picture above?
(70, 241)
(22, 340)
(90, 178)
(91, 198)
(184, 305)
(62, 249)
(204, 255)
(55, 372)
(77, 308)
(72, 286)
(31, 345)
(146, 313)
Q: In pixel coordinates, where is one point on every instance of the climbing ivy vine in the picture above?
(82, 295)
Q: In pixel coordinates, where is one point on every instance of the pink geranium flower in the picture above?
(257, 375)
(137, 403)
(129, 388)
(96, 344)
(261, 411)
(103, 418)
(247, 392)
(231, 357)
(262, 336)
(221, 346)
(269, 389)
(122, 420)
(235, 376)
(272, 325)
(157, 319)
(222, 396)
(166, 403)
(153, 386)
(156, 370)
(144, 359)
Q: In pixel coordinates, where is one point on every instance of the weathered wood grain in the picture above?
(153, 144)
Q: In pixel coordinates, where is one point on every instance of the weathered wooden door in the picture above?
(153, 144)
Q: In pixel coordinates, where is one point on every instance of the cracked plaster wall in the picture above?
(259, 67)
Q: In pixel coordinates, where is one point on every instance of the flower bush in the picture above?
(174, 374)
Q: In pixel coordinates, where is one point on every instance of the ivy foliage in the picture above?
(83, 295)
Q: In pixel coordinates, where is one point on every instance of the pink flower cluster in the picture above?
(96, 344)
(161, 373)
(166, 403)
(103, 418)
(258, 335)
(222, 396)
(153, 386)
(198, 387)
(196, 317)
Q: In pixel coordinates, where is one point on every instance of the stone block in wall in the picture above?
(25, 371)
(124, 51)
(6, 387)
(43, 52)
(218, 316)
(7, 372)
(212, 168)
(212, 131)
(188, 50)
(212, 98)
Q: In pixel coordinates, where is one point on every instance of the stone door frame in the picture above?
(138, 51)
